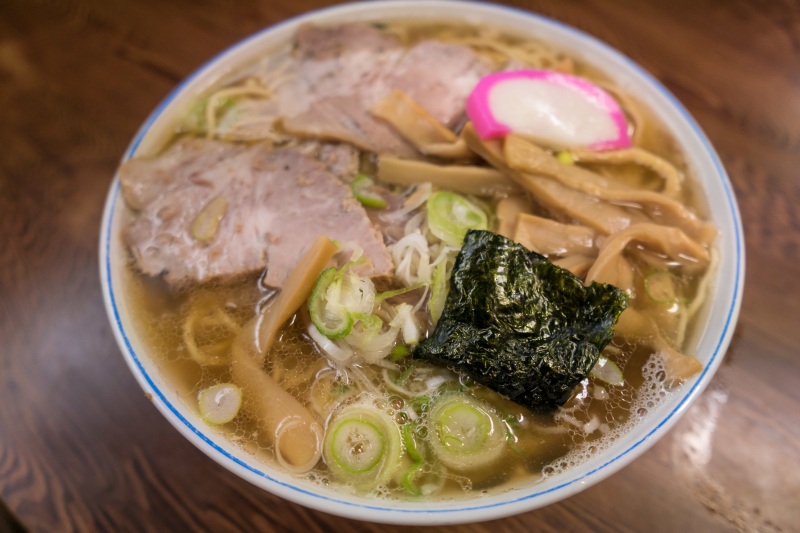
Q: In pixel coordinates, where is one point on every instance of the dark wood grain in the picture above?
(81, 448)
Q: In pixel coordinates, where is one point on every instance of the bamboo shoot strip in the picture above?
(295, 291)
(412, 120)
(284, 421)
(478, 181)
(419, 127)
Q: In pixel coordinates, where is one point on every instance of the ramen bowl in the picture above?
(711, 337)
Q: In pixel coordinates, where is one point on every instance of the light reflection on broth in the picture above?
(536, 444)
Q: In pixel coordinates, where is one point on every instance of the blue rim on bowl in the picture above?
(713, 342)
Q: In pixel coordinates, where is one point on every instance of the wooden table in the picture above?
(82, 449)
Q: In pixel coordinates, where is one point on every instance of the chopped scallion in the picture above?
(608, 371)
(466, 432)
(410, 442)
(399, 352)
(660, 287)
(332, 325)
(451, 215)
(362, 447)
(220, 403)
(402, 378)
(363, 190)
(565, 158)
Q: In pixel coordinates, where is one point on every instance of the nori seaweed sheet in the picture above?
(520, 325)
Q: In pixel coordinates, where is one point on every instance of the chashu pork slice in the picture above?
(343, 71)
(270, 205)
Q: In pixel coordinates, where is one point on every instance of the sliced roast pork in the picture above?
(342, 160)
(209, 210)
(342, 71)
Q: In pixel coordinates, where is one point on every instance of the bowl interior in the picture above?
(711, 339)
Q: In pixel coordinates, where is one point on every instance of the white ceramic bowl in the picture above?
(710, 345)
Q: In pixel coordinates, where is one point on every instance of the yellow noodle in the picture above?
(206, 314)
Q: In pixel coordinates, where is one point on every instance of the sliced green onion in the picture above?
(357, 256)
(362, 447)
(565, 158)
(357, 446)
(607, 371)
(339, 298)
(332, 325)
(397, 292)
(464, 427)
(370, 322)
(467, 434)
(410, 442)
(439, 290)
(399, 352)
(451, 215)
(354, 293)
(195, 119)
(422, 479)
(340, 389)
(362, 190)
(660, 287)
(405, 319)
(416, 379)
(409, 480)
(420, 404)
(404, 376)
(220, 403)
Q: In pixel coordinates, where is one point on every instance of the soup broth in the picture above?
(191, 327)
